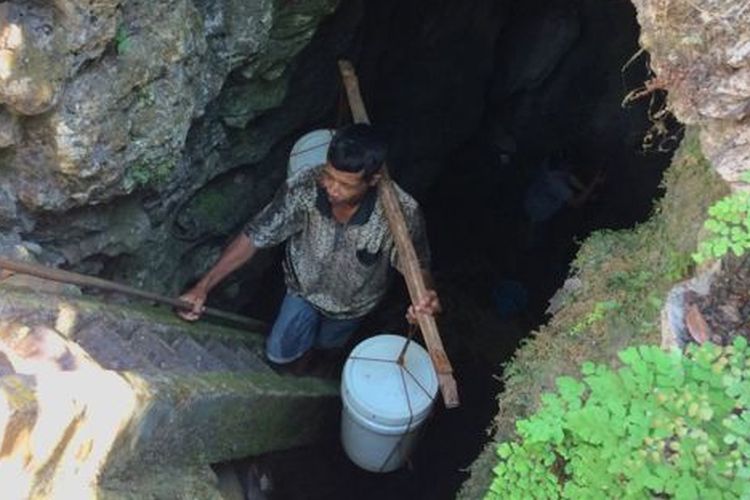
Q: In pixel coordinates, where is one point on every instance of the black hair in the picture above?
(358, 148)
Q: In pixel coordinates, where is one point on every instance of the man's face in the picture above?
(344, 188)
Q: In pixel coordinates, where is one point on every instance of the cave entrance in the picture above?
(480, 101)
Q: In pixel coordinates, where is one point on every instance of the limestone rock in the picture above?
(105, 231)
(676, 313)
(32, 70)
(9, 128)
(700, 52)
(115, 110)
(120, 86)
(8, 211)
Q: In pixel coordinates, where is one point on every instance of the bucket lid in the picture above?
(382, 391)
(309, 151)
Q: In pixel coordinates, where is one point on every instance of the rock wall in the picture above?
(99, 98)
(700, 53)
(136, 138)
(98, 101)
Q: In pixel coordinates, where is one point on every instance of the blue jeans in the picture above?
(299, 327)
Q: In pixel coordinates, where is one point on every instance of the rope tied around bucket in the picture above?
(404, 372)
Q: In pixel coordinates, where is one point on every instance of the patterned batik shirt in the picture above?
(341, 269)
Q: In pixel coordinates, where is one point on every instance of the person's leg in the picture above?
(334, 333)
(294, 331)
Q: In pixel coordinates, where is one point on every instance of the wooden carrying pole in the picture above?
(62, 276)
(407, 255)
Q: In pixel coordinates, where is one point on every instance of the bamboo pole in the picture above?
(408, 257)
(63, 276)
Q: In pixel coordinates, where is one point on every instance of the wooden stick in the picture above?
(62, 276)
(408, 257)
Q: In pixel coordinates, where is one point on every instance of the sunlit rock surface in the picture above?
(700, 52)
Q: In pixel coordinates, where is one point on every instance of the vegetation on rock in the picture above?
(729, 225)
(145, 174)
(665, 424)
(624, 278)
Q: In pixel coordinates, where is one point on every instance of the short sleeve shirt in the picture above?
(341, 269)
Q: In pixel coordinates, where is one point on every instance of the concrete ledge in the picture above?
(70, 428)
(212, 417)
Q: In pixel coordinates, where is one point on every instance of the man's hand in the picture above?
(430, 304)
(197, 297)
(239, 251)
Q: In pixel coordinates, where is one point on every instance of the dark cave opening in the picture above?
(476, 98)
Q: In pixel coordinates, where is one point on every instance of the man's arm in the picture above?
(239, 251)
(275, 223)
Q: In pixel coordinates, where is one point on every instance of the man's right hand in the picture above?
(239, 251)
(197, 297)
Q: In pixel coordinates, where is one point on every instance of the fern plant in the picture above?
(598, 314)
(729, 225)
(665, 425)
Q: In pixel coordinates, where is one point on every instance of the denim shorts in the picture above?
(299, 327)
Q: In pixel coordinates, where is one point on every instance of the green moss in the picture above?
(212, 204)
(293, 412)
(148, 174)
(631, 268)
(196, 481)
(249, 414)
(122, 39)
(219, 207)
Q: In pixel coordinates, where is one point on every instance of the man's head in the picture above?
(358, 148)
(355, 157)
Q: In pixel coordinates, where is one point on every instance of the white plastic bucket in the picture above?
(309, 151)
(385, 404)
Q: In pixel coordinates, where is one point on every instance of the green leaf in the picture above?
(570, 390)
(504, 450)
(629, 356)
(740, 343)
(687, 488)
(631, 434)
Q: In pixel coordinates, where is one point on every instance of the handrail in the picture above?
(70, 277)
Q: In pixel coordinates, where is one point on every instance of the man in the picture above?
(553, 188)
(339, 248)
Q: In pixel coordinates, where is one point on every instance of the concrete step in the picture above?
(158, 352)
(150, 415)
(110, 350)
(225, 354)
(197, 356)
(252, 361)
